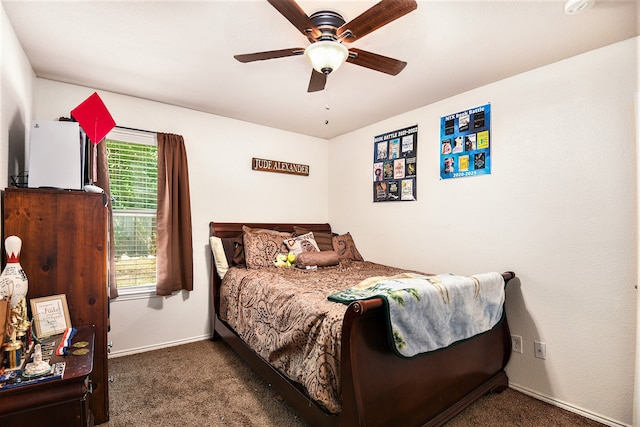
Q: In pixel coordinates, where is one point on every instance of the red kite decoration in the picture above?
(95, 120)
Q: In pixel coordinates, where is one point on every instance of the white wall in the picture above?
(223, 188)
(559, 209)
(16, 100)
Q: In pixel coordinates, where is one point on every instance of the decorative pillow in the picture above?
(261, 246)
(319, 259)
(346, 248)
(234, 248)
(300, 244)
(219, 256)
(324, 239)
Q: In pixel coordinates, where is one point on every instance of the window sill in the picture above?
(136, 292)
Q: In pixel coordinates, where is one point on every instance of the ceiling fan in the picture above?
(327, 31)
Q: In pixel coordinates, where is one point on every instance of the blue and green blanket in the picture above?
(426, 313)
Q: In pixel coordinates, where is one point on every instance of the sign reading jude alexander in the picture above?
(279, 167)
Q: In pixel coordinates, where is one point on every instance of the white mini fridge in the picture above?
(57, 155)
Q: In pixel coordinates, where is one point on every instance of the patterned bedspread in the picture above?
(284, 315)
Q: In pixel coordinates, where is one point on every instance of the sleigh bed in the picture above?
(373, 384)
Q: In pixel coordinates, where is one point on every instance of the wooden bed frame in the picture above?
(378, 387)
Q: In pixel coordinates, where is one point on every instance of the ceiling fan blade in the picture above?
(294, 14)
(376, 62)
(317, 81)
(271, 54)
(375, 17)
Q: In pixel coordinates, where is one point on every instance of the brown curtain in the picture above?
(103, 182)
(175, 251)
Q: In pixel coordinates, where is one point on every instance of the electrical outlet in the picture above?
(540, 349)
(516, 343)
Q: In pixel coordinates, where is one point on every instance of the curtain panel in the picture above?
(103, 182)
(175, 248)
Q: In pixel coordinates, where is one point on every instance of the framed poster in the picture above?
(465, 149)
(50, 315)
(394, 165)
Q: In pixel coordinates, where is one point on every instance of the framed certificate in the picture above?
(50, 315)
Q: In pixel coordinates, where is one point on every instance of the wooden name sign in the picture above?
(278, 166)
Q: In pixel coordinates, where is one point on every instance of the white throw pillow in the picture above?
(219, 256)
(303, 243)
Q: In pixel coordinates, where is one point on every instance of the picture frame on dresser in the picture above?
(50, 315)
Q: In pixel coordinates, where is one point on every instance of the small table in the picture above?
(60, 402)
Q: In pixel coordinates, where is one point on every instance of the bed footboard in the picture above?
(380, 388)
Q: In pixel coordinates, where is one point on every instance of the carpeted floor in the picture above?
(206, 384)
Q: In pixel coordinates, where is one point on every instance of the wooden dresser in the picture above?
(64, 251)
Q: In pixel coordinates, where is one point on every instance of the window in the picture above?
(133, 174)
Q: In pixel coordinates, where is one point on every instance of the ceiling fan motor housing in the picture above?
(327, 22)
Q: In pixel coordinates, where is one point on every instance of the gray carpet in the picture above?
(206, 384)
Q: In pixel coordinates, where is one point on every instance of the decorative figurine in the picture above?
(38, 366)
(14, 286)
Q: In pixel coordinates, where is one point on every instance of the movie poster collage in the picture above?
(464, 143)
(394, 165)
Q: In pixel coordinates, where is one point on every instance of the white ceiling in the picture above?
(181, 53)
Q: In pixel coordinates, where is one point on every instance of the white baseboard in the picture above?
(571, 408)
(160, 346)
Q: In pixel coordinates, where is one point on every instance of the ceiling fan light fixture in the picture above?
(326, 56)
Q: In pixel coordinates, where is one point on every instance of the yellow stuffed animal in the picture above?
(283, 260)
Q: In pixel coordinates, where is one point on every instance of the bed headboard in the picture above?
(233, 229)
